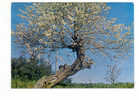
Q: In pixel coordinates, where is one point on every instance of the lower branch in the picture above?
(52, 80)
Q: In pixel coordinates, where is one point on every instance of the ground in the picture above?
(29, 84)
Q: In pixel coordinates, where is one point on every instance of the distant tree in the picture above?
(112, 73)
(23, 69)
(81, 27)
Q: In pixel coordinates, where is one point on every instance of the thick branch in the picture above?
(50, 81)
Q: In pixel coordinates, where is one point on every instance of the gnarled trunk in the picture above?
(52, 80)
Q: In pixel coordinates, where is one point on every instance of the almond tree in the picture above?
(112, 73)
(80, 27)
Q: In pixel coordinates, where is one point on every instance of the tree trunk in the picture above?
(52, 80)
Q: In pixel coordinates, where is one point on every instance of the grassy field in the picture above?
(96, 85)
(22, 84)
(29, 84)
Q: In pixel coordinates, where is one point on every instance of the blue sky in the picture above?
(124, 13)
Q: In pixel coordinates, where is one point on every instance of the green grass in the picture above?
(96, 85)
(29, 84)
(22, 84)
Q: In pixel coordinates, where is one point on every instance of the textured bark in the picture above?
(52, 80)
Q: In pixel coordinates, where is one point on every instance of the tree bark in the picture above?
(52, 80)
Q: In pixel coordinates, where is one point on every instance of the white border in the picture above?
(6, 93)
